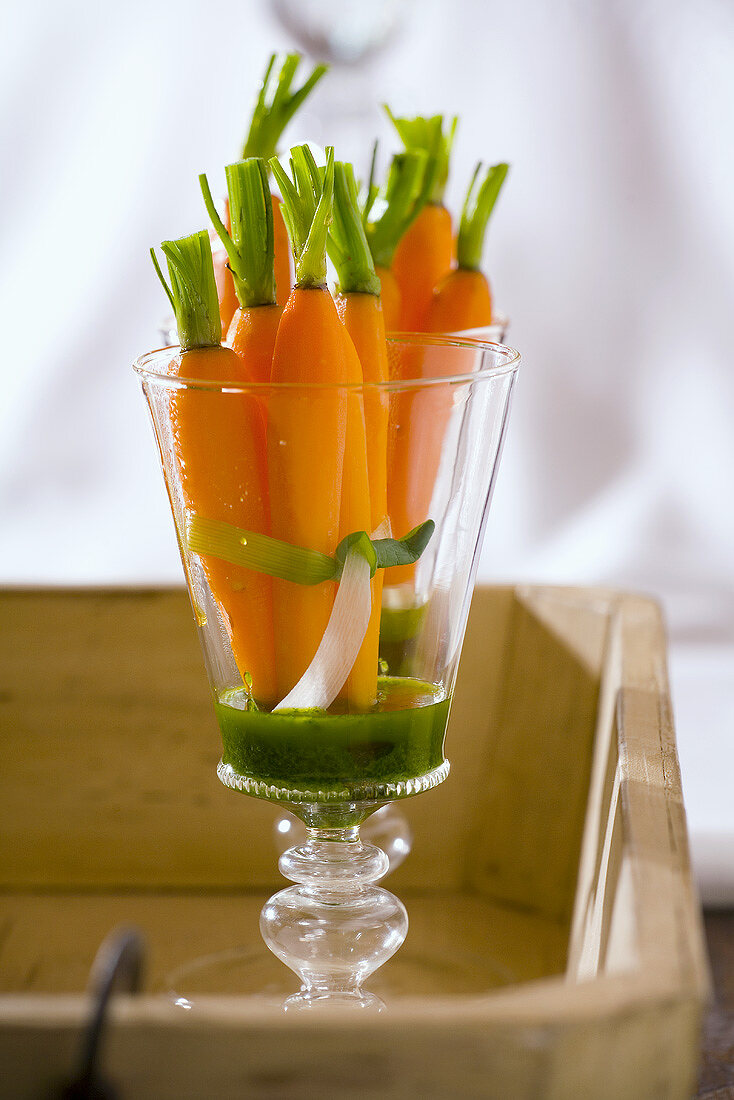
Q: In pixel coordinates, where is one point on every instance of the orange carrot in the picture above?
(462, 299)
(364, 493)
(403, 198)
(225, 288)
(421, 259)
(306, 431)
(219, 444)
(361, 315)
(274, 108)
(254, 338)
(389, 296)
(360, 690)
(425, 251)
(250, 249)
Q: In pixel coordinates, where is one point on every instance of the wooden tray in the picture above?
(555, 947)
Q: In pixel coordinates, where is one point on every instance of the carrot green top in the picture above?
(193, 291)
(307, 210)
(404, 198)
(276, 105)
(250, 247)
(478, 205)
(427, 134)
(347, 243)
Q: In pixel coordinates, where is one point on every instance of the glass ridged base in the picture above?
(366, 792)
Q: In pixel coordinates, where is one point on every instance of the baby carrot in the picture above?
(462, 299)
(219, 445)
(225, 288)
(275, 106)
(250, 250)
(404, 197)
(306, 430)
(425, 252)
(364, 493)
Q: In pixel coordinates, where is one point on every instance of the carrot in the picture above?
(306, 431)
(462, 299)
(425, 252)
(389, 297)
(225, 288)
(421, 259)
(251, 260)
(364, 493)
(404, 197)
(219, 446)
(275, 106)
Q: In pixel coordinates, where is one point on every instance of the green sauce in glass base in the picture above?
(336, 756)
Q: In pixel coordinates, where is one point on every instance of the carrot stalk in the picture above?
(250, 247)
(425, 252)
(404, 197)
(249, 244)
(219, 447)
(283, 274)
(462, 299)
(276, 104)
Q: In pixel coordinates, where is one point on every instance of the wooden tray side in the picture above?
(528, 829)
(622, 1023)
(667, 907)
(111, 748)
(630, 1050)
(636, 908)
(109, 733)
(439, 855)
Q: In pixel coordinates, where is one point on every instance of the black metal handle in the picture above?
(117, 967)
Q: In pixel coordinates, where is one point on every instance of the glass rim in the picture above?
(509, 365)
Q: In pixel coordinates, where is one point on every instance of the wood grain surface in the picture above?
(556, 948)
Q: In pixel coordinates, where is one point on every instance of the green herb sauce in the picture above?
(401, 738)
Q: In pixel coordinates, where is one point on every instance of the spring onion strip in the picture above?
(260, 553)
(341, 642)
(264, 554)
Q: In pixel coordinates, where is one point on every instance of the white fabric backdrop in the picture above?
(612, 249)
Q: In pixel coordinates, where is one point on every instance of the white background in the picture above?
(612, 248)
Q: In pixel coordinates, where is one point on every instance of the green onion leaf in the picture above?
(361, 541)
(261, 553)
(404, 551)
(264, 554)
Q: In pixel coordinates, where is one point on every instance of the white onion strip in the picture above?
(342, 640)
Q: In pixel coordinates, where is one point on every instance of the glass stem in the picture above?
(335, 927)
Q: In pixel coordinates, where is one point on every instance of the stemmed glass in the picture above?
(444, 413)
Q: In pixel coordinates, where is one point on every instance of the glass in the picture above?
(434, 438)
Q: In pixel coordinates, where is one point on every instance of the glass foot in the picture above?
(321, 1002)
